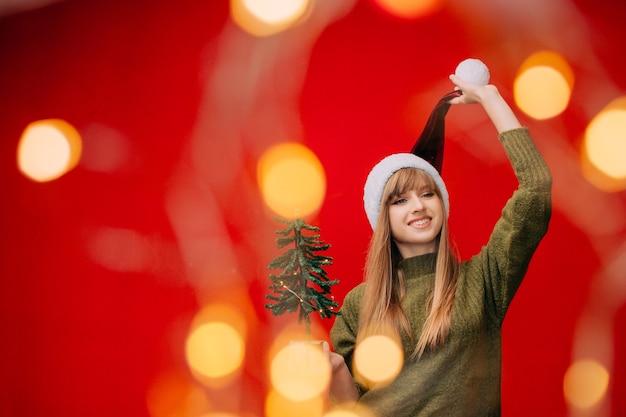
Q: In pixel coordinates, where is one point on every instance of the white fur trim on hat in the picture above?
(382, 171)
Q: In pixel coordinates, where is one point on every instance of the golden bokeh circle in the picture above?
(48, 149)
(292, 180)
(409, 9)
(378, 359)
(605, 142)
(300, 371)
(215, 350)
(544, 84)
(585, 383)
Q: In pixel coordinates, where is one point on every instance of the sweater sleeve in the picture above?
(524, 221)
(344, 330)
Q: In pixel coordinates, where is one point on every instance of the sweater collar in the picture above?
(418, 265)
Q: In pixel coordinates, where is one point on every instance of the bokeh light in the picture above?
(219, 414)
(585, 383)
(215, 346)
(292, 180)
(349, 410)
(604, 147)
(292, 331)
(543, 86)
(378, 359)
(409, 9)
(215, 349)
(268, 17)
(48, 149)
(278, 405)
(341, 413)
(174, 394)
(300, 371)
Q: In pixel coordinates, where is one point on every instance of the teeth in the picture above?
(420, 222)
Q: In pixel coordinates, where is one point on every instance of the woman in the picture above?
(446, 314)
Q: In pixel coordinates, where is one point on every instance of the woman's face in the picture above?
(415, 220)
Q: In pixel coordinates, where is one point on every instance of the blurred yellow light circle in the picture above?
(222, 313)
(409, 8)
(215, 350)
(544, 85)
(268, 17)
(300, 371)
(172, 393)
(341, 413)
(219, 414)
(541, 92)
(605, 142)
(599, 178)
(276, 405)
(554, 60)
(274, 11)
(585, 383)
(350, 409)
(292, 180)
(48, 149)
(378, 359)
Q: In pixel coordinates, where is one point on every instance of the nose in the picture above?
(416, 203)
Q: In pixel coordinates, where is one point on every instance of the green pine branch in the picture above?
(302, 284)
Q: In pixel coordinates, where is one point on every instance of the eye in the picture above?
(427, 194)
(398, 200)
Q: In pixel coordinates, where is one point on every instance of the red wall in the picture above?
(81, 339)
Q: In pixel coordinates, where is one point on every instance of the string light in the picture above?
(321, 311)
(297, 296)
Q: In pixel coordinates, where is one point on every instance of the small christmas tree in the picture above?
(302, 285)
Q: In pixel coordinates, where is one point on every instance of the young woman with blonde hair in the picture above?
(446, 314)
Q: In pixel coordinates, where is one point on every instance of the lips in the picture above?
(421, 222)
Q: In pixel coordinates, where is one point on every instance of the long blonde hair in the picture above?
(381, 307)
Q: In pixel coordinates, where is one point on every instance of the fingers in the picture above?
(458, 83)
(458, 86)
(471, 91)
(336, 360)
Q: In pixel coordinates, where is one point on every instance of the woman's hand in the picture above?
(472, 92)
(489, 97)
(337, 361)
(342, 388)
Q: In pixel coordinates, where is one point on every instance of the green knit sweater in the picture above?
(463, 376)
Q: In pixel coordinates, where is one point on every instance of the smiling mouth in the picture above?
(419, 222)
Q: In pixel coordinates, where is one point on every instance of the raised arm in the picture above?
(489, 97)
(503, 262)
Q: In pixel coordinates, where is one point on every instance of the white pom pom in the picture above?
(473, 71)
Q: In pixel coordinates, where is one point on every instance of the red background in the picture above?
(79, 338)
